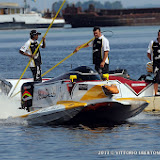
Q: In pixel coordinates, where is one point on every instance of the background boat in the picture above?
(14, 17)
(28, 20)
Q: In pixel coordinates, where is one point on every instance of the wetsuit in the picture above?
(98, 52)
(156, 61)
(36, 71)
(35, 65)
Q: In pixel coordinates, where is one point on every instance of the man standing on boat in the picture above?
(101, 50)
(153, 54)
(28, 49)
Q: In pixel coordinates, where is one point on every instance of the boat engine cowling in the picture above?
(27, 95)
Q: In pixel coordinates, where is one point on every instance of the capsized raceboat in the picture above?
(81, 95)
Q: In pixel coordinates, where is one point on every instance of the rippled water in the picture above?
(135, 139)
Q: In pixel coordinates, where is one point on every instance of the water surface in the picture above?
(130, 140)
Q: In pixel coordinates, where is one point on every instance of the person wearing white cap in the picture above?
(28, 49)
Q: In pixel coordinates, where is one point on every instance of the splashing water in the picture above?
(145, 116)
(10, 108)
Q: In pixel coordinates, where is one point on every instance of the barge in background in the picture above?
(106, 17)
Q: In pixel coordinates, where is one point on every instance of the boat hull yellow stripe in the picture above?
(132, 99)
(71, 104)
(26, 115)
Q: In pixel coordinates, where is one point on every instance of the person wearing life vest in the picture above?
(153, 54)
(28, 49)
(101, 50)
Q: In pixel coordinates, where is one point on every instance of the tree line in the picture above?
(85, 5)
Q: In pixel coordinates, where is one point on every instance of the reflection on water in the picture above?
(137, 134)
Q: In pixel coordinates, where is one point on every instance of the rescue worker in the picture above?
(101, 50)
(153, 53)
(28, 49)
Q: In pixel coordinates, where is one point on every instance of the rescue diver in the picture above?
(28, 49)
(153, 53)
(101, 50)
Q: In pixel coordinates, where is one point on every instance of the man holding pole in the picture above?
(153, 53)
(101, 50)
(28, 49)
(22, 50)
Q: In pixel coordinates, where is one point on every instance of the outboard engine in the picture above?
(27, 95)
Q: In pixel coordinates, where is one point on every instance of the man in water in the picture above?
(28, 49)
(101, 50)
(153, 54)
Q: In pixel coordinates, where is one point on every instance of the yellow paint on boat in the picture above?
(67, 104)
(26, 115)
(71, 104)
(133, 99)
(95, 92)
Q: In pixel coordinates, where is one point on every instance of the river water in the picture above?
(135, 139)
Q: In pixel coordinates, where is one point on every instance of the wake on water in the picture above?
(145, 116)
(9, 109)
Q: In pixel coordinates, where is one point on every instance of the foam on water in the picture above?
(10, 108)
(144, 116)
(13, 121)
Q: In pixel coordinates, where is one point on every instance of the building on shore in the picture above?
(10, 8)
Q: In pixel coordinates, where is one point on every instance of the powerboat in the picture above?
(27, 21)
(80, 95)
(15, 17)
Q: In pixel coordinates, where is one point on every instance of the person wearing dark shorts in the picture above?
(103, 70)
(36, 72)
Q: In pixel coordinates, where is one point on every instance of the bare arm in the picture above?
(44, 42)
(26, 54)
(104, 59)
(150, 50)
(149, 55)
(84, 46)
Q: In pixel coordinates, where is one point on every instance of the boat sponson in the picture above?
(113, 111)
(56, 114)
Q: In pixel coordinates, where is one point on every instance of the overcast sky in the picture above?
(43, 4)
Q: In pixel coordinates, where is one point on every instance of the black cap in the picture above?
(34, 32)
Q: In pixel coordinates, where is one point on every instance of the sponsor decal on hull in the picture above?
(26, 96)
(137, 87)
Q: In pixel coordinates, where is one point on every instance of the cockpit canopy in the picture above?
(83, 73)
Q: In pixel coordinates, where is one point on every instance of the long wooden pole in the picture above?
(37, 47)
(67, 57)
